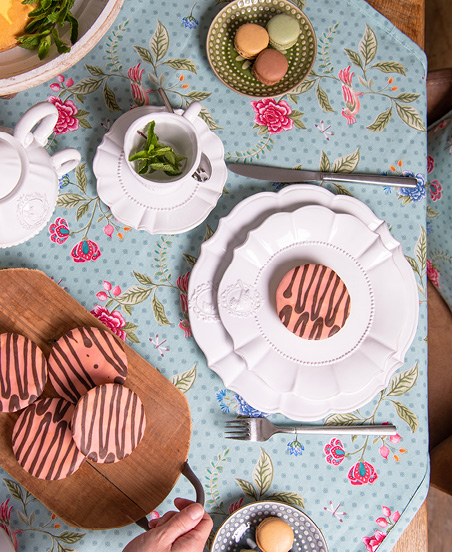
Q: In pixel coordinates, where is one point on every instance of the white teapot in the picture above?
(29, 175)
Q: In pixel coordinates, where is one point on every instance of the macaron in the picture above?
(274, 535)
(270, 66)
(250, 39)
(283, 31)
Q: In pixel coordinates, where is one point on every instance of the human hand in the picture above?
(183, 531)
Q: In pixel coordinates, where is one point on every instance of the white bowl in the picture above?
(21, 69)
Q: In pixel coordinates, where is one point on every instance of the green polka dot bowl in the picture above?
(236, 72)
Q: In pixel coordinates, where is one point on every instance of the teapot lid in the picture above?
(12, 165)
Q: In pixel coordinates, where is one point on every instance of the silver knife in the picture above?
(275, 174)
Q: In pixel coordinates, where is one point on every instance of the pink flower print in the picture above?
(386, 511)
(116, 291)
(350, 96)
(102, 296)
(55, 87)
(395, 439)
(273, 115)
(382, 522)
(362, 473)
(395, 517)
(435, 190)
(433, 274)
(139, 94)
(85, 251)
(59, 231)
(335, 452)
(69, 83)
(5, 515)
(113, 320)
(182, 284)
(384, 451)
(430, 164)
(60, 78)
(106, 285)
(67, 122)
(185, 325)
(373, 542)
(108, 229)
(235, 506)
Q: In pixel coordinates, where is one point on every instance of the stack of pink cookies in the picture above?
(96, 416)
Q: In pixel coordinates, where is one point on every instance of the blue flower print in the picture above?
(429, 227)
(189, 22)
(63, 181)
(413, 194)
(295, 447)
(232, 401)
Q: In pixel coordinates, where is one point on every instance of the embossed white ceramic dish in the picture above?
(21, 69)
(216, 256)
(233, 535)
(177, 208)
(314, 369)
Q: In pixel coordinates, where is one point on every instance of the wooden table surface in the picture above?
(409, 17)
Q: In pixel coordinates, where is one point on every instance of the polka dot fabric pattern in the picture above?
(361, 109)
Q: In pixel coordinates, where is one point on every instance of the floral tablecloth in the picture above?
(362, 109)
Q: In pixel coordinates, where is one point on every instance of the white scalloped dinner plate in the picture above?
(215, 341)
(164, 212)
(314, 369)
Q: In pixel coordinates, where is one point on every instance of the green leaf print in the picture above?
(159, 312)
(181, 64)
(263, 473)
(207, 118)
(184, 382)
(342, 419)
(209, 233)
(143, 279)
(80, 175)
(110, 98)
(134, 295)
(325, 164)
(144, 54)
(198, 96)
(94, 70)
(368, 45)
(341, 190)
(191, 260)
(406, 415)
(86, 85)
(247, 488)
(414, 265)
(354, 57)
(304, 86)
(389, 67)
(70, 200)
(287, 497)
(14, 489)
(421, 250)
(381, 121)
(323, 100)
(159, 42)
(431, 213)
(70, 537)
(402, 383)
(346, 164)
(410, 116)
(407, 97)
(82, 210)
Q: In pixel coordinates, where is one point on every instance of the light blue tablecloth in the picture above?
(362, 109)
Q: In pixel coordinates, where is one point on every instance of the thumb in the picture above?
(181, 523)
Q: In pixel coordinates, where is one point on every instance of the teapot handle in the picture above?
(65, 160)
(192, 111)
(43, 114)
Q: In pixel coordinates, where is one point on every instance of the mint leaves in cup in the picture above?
(156, 156)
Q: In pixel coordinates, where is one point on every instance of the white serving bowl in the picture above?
(21, 69)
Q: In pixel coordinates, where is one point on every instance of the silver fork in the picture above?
(261, 429)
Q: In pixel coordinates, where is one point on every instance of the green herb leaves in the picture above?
(157, 156)
(43, 25)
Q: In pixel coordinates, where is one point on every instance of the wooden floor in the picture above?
(438, 46)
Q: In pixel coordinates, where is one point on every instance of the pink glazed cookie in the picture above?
(108, 423)
(23, 372)
(84, 358)
(42, 440)
(312, 301)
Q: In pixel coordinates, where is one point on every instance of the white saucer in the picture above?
(175, 210)
(216, 255)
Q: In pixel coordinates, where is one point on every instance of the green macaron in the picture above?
(283, 31)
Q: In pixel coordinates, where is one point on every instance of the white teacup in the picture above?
(172, 130)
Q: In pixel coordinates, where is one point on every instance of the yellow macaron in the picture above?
(250, 39)
(274, 535)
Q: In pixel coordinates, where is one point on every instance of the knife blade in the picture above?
(274, 174)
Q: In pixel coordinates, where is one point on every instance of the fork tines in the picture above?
(239, 429)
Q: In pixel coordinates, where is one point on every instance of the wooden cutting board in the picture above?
(97, 496)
